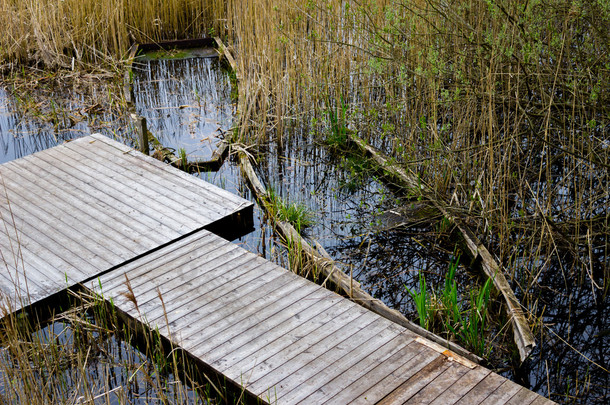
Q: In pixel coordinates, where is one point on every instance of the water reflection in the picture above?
(20, 136)
(42, 118)
(187, 102)
(81, 362)
(574, 334)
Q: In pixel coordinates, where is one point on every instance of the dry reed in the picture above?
(501, 108)
(85, 355)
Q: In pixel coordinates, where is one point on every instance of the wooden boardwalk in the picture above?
(72, 212)
(288, 340)
(98, 213)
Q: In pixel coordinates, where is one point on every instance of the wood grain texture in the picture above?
(284, 338)
(76, 210)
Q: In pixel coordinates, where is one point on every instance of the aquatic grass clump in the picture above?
(463, 319)
(422, 302)
(297, 214)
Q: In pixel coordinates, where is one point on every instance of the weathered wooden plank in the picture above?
(178, 44)
(296, 321)
(200, 241)
(151, 308)
(280, 362)
(182, 281)
(36, 237)
(502, 394)
(232, 202)
(461, 386)
(253, 304)
(138, 207)
(209, 300)
(59, 239)
(192, 304)
(542, 401)
(168, 267)
(160, 179)
(306, 364)
(18, 254)
(83, 192)
(231, 297)
(482, 389)
(290, 342)
(75, 217)
(282, 337)
(147, 180)
(170, 211)
(335, 378)
(113, 228)
(16, 290)
(259, 315)
(31, 286)
(32, 205)
(522, 397)
(358, 387)
(229, 201)
(439, 385)
(415, 383)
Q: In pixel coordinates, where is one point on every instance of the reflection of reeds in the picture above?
(500, 107)
(488, 104)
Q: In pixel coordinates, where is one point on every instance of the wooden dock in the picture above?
(142, 234)
(287, 340)
(73, 212)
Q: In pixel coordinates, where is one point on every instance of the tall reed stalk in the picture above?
(56, 32)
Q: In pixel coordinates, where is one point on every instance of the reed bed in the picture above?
(71, 33)
(502, 108)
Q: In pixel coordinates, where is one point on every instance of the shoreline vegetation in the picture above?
(501, 108)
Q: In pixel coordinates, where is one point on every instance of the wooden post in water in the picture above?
(143, 134)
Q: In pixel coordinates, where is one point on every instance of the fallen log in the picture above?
(328, 270)
(523, 335)
(223, 50)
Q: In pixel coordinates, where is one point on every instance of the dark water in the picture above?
(189, 108)
(188, 105)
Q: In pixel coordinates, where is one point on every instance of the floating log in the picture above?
(222, 49)
(212, 165)
(523, 335)
(329, 271)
